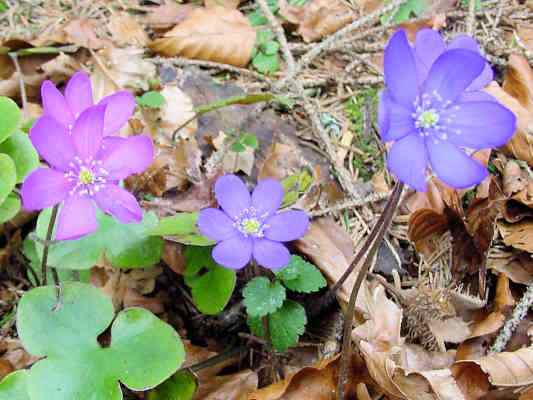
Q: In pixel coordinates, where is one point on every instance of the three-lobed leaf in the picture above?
(182, 228)
(124, 245)
(181, 386)
(301, 276)
(262, 297)
(144, 351)
(285, 325)
(9, 117)
(19, 148)
(211, 284)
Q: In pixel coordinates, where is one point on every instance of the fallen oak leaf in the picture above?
(213, 34)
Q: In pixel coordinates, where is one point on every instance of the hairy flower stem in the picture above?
(44, 263)
(369, 250)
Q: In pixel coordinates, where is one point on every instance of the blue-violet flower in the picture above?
(434, 112)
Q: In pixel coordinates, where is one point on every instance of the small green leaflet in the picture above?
(181, 386)
(211, 284)
(144, 351)
(181, 228)
(151, 99)
(265, 57)
(295, 185)
(124, 245)
(408, 10)
(246, 140)
(301, 276)
(262, 297)
(285, 325)
(9, 117)
(19, 148)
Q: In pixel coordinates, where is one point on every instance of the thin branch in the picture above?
(471, 18)
(23, 96)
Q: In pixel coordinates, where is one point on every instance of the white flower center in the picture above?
(88, 175)
(249, 223)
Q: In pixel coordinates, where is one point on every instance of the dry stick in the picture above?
(333, 39)
(346, 351)
(44, 266)
(14, 58)
(471, 20)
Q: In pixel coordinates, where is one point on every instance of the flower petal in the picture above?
(407, 160)
(44, 188)
(53, 142)
(270, 254)
(232, 195)
(120, 107)
(87, 133)
(453, 166)
(429, 45)
(400, 70)
(216, 225)
(480, 125)
(55, 105)
(120, 203)
(475, 95)
(287, 226)
(79, 93)
(233, 253)
(396, 121)
(267, 196)
(76, 218)
(123, 157)
(468, 43)
(452, 73)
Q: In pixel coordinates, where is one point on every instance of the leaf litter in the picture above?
(422, 330)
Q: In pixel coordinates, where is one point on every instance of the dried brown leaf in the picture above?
(518, 267)
(215, 34)
(514, 179)
(426, 225)
(317, 18)
(518, 235)
(126, 31)
(231, 4)
(82, 33)
(236, 386)
(168, 14)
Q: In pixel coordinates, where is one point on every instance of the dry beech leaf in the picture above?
(82, 33)
(507, 368)
(126, 31)
(518, 235)
(514, 179)
(231, 4)
(281, 161)
(518, 267)
(167, 15)
(330, 248)
(177, 109)
(317, 18)
(214, 34)
(235, 387)
(525, 33)
(521, 144)
(317, 382)
(426, 225)
(519, 80)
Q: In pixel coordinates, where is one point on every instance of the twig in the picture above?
(471, 19)
(372, 198)
(14, 58)
(104, 69)
(280, 35)
(219, 358)
(519, 313)
(44, 263)
(333, 39)
(372, 244)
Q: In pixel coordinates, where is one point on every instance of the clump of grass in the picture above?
(361, 110)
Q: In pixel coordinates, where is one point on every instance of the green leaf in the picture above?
(270, 48)
(144, 351)
(295, 185)
(266, 64)
(9, 208)
(285, 325)
(182, 228)
(3, 6)
(181, 386)
(301, 276)
(8, 176)
(250, 140)
(19, 148)
(124, 245)
(262, 297)
(237, 147)
(151, 99)
(14, 386)
(9, 117)
(408, 10)
(211, 284)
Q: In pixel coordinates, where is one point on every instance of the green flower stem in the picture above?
(369, 249)
(44, 266)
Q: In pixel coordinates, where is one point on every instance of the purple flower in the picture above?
(85, 168)
(434, 111)
(79, 96)
(250, 226)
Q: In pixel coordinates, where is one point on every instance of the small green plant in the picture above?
(144, 351)
(17, 157)
(409, 9)
(151, 99)
(265, 57)
(243, 141)
(266, 301)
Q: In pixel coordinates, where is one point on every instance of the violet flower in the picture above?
(79, 96)
(250, 226)
(434, 111)
(85, 168)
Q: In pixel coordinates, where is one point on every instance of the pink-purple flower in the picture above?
(249, 226)
(79, 96)
(434, 111)
(85, 170)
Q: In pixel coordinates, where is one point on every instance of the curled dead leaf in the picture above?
(426, 225)
(126, 31)
(317, 18)
(518, 235)
(214, 34)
